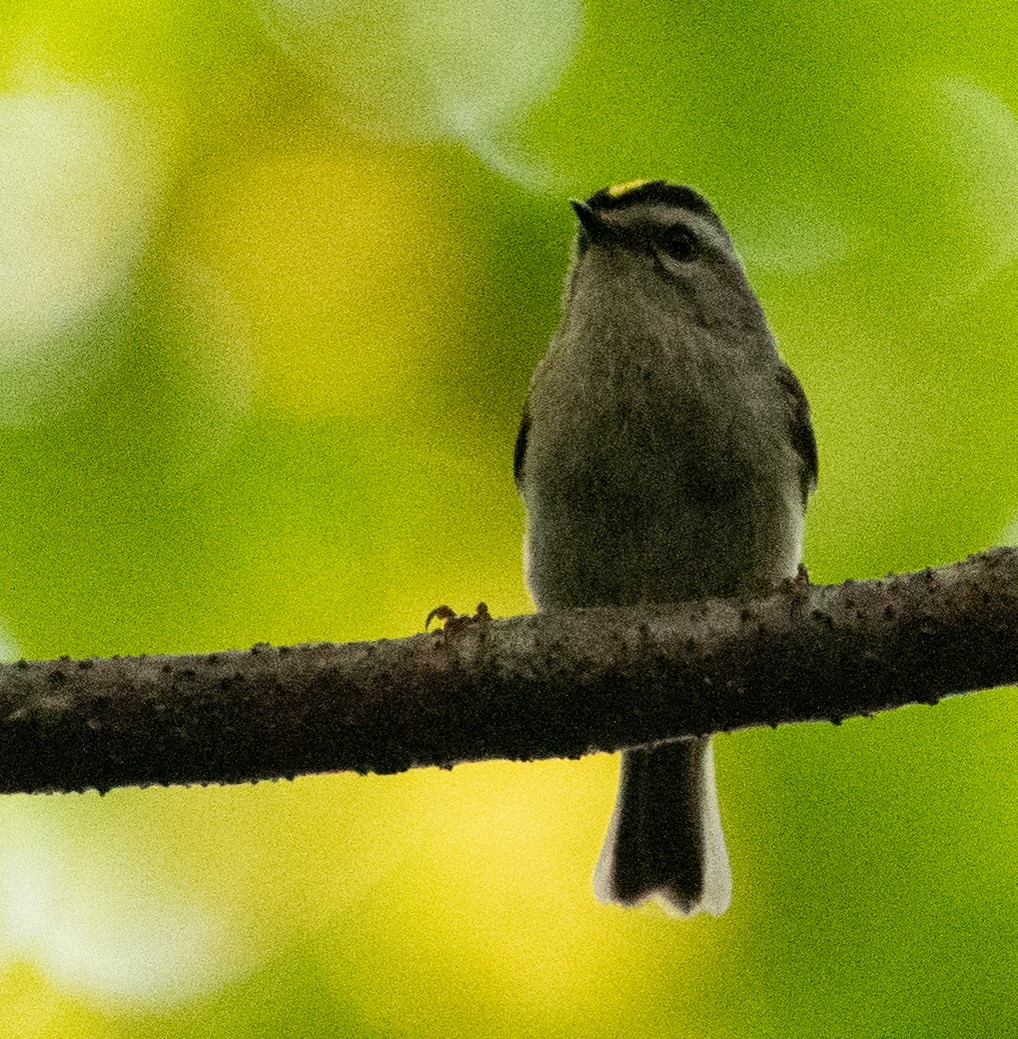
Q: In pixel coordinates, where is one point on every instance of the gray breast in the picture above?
(656, 487)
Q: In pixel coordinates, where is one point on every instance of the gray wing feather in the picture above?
(801, 430)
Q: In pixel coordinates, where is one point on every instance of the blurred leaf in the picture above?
(272, 282)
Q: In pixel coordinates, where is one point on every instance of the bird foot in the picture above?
(454, 621)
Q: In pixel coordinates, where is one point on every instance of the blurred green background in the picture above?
(273, 278)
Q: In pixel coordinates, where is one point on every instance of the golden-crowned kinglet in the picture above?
(665, 453)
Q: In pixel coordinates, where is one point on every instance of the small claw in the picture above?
(443, 613)
(455, 621)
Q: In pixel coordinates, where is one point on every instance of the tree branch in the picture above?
(558, 684)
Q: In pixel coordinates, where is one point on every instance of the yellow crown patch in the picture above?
(617, 190)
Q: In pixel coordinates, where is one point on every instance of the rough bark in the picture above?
(550, 685)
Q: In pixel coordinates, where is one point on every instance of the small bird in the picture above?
(665, 453)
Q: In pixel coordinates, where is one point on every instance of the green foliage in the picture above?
(273, 278)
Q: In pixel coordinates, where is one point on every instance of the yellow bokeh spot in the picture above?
(343, 268)
(492, 923)
(30, 1003)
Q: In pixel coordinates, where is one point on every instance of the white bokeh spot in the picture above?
(428, 69)
(79, 182)
(99, 925)
(980, 133)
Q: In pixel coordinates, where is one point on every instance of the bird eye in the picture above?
(681, 244)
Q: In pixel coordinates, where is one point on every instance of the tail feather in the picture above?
(665, 838)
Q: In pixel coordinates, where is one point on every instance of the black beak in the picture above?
(592, 228)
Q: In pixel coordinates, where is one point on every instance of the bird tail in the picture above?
(665, 838)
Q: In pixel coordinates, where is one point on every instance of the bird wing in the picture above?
(801, 430)
(521, 445)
